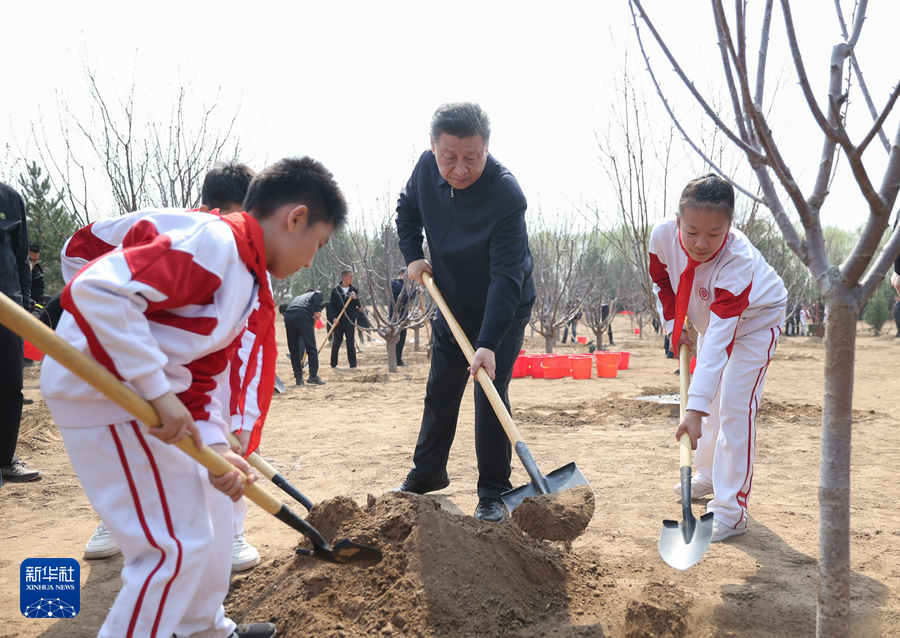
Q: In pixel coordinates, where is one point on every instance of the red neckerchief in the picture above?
(248, 235)
(685, 286)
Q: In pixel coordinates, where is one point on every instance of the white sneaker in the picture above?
(244, 555)
(721, 531)
(101, 544)
(698, 489)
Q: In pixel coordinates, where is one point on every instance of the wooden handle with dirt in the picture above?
(483, 377)
(23, 324)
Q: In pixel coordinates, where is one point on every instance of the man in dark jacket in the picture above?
(473, 214)
(346, 326)
(300, 324)
(15, 283)
(401, 299)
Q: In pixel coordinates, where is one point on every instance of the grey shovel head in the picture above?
(279, 385)
(683, 544)
(566, 477)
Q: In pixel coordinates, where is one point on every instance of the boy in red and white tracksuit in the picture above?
(704, 269)
(163, 312)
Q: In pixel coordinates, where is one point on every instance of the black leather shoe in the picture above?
(316, 380)
(415, 487)
(490, 510)
(255, 630)
(17, 472)
(401, 364)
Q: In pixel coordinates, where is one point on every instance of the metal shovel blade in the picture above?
(345, 552)
(682, 545)
(279, 385)
(564, 478)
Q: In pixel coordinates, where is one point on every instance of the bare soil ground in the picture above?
(446, 574)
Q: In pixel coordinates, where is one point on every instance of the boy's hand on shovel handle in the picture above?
(484, 358)
(175, 421)
(230, 483)
(692, 424)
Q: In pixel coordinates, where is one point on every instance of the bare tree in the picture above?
(845, 286)
(563, 270)
(143, 162)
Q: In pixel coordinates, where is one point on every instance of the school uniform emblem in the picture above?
(49, 588)
(704, 294)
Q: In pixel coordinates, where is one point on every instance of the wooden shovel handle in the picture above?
(684, 364)
(333, 326)
(16, 319)
(483, 377)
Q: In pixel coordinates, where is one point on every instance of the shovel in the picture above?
(564, 478)
(16, 319)
(303, 363)
(267, 470)
(683, 544)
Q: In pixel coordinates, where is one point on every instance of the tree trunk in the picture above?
(391, 339)
(549, 340)
(833, 617)
(415, 339)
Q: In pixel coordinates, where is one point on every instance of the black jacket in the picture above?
(478, 242)
(337, 301)
(309, 303)
(15, 271)
(401, 298)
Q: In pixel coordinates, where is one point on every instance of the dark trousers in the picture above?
(574, 325)
(446, 384)
(344, 328)
(11, 360)
(400, 345)
(301, 337)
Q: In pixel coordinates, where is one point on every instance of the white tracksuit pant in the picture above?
(727, 446)
(174, 527)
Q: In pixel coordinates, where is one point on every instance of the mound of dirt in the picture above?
(556, 517)
(442, 575)
(660, 613)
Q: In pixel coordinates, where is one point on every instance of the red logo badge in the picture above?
(704, 294)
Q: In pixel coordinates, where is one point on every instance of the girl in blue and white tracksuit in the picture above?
(708, 271)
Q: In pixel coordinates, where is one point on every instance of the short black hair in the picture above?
(300, 180)
(226, 184)
(346, 272)
(709, 191)
(34, 247)
(461, 119)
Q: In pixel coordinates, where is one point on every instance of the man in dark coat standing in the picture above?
(401, 299)
(15, 283)
(346, 325)
(300, 325)
(472, 211)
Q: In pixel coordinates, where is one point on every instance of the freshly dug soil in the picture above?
(556, 517)
(442, 574)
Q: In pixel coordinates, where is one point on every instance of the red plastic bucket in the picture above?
(582, 365)
(582, 339)
(607, 364)
(624, 358)
(556, 366)
(637, 331)
(319, 324)
(534, 365)
(520, 367)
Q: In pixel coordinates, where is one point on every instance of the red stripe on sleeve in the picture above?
(197, 325)
(660, 275)
(728, 305)
(97, 350)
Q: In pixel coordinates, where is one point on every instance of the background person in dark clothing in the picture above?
(300, 324)
(472, 211)
(15, 283)
(573, 322)
(401, 299)
(604, 313)
(346, 326)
